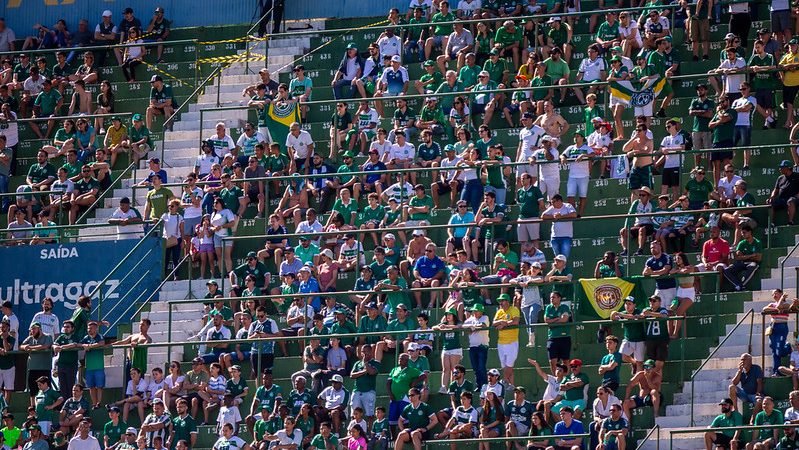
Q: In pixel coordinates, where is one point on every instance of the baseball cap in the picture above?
(520, 389)
(402, 306)
(35, 427)
(478, 307)
(493, 372)
(396, 58)
(371, 305)
(536, 264)
(785, 164)
(504, 297)
(413, 346)
(615, 59)
(198, 360)
(210, 282)
(107, 13)
(252, 255)
(560, 258)
(114, 408)
(528, 115)
(449, 148)
(576, 362)
(764, 31)
(616, 49)
(337, 378)
(159, 9)
(115, 118)
(131, 430)
(429, 63)
(136, 117)
(726, 401)
(156, 78)
(390, 236)
(127, 10)
(452, 311)
(36, 324)
(124, 200)
(351, 46)
(158, 401)
(493, 52)
(729, 36)
(649, 363)
(629, 298)
(418, 232)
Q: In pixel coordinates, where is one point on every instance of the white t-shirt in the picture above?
(7, 36)
(562, 228)
(300, 311)
(727, 186)
(191, 212)
(332, 398)
(90, 443)
(579, 169)
(140, 387)
(128, 231)
(234, 443)
(10, 130)
(222, 145)
(469, 8)
(283, 438)
(407, 151)
(744, 117)
(477, 338)
(34, 87)
(300, 144)
(225, 331)
(630, 29)
(549, 170)
(553, 388)
(172, 225)
(229, 415)
(382, 149)
(49, 322)
(733, 81)
(672, 159)
(220, 218)
(389, 45)
(795, 359)
(591, 70)
(597, 140)
(530, 138)
(604, 410)
(447, 163)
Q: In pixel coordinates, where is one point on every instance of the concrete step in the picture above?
(683, 421)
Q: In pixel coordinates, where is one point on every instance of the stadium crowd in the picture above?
(480, 181)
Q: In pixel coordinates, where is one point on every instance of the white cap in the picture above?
(327, 252)
(131, 430)
(413, 346)
(418, 232)
(390, 235)
(107, 13)
(337, 378)
(396, 58)
(560, 258)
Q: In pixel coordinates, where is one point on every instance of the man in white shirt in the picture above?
(745, 106)
(83, 440)
(128, 221)
(300, 147)
(389, 44)
(548, 172)
(726, 186)
(592, 69)
(529, 139)
(449, 181)
(221, 141)
(310, 225)
(733, 70)
(333, 402)
(401, 154)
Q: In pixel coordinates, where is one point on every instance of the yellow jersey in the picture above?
(507, 335)
(790, 77)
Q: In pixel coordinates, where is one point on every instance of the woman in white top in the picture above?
(467, 168)
(133, 55)
(630, 35)
(604, 400)
(173, 385)
(191, 200)
(222, 220)
(173, 232)
(289, 438)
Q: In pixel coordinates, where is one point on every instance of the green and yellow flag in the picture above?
(279, 116)
(605, 295)
(625, 93)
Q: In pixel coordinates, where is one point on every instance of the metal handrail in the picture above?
(101, 198)
(655, 429)
(76, 117)
(751, 315)
(98, 289)
(782, 266)
(94, 48)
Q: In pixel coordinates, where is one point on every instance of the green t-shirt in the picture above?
(725, 131)
(48, 398)
(747, 248)
(158, 199)
(341, 122)
(73, 169)
(574, 394)
(417, 202)
(634, 331)
(528, 199)
(559, 36)
(94, 357)
(306, 254)
(701, 123)
(369, 325)
(468, 75)
(277, 163)
(346, 328)
(432, 81)
(183, 427)
(163, 95)
(366, 382)
(498, 231)
(455, 390)
(267, 397)
(588, 115)
(495, 177)
(655, 329)
(775, 418)
(608, 32)
(235, 389)
(346, 210)
(506, 38)
(556, 69)
(401, 380)
(510, 257)
(417, 417)
(230, 196)
(402, 117)
(142, 132)
(396, 325)
(370, 214)
(698, 191)
(47, 101)
(342, 174)
(442, 30)
(84, 186)
(613, 425)
(39, 360)
(763, 80)
(40, 172)
(114, 432)
(320, 443)
(297, 399)
(657, 62)
(732, 422)
(552, 312)
(394, 298)
(611, 375)
(432, 114)
(540, 94)
(496, 69)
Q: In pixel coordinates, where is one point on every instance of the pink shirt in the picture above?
(356, 444)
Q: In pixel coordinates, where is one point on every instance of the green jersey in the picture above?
(506, 38)
(749, 248)
(574, 394)
(401, 379)
(341, 122)
(732, 422)
(611, 375)
(455, 390)
(698, 191)
(297, 399)
(655, 329)
(369, 325)
(319, 442)
(553, 312)
(725, 131)
(47, 398)
(529, 199)
(613, 425)
(634, 331)
(701, 123)
(158, 199)
(775, 418)
(417, 202)
(183, 427)
(114, 432)
(267, 397)
(417, 416)
(137, 134)
(468, 75)
(763, 80)
(442, 30)
(520, 413)
(370, 214)
(230, 196)
(608, 32)
(164, 95)
(40, 172)
(366, 382)
(496, 70)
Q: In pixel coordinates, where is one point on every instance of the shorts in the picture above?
(700, 30)
(528, 169)
(95, 378)
(722, 440)
(365, 400)
(724, 155)
(252, 195)
(671, 177)
(634, 349)
(7, 378)
(549, 186)
(456, 242)
(657, 350)
(416, 223)
(702, 267)
(395, 409)
(646, 400)
(206, 248)
(689, 293)
(781, 20)
(765, 98)
(478, 108)
(789, 94)
(740, 393)
(640, 177)
(702, 139)
(267, 360)
(454, 352)
(438, 40)
(521, 429)
(512, 108)
(577, 186)
(574, 404)
(559, 348)
(444, 188)
(666, 295)
(645, 110)
(508, 354)
(218, 240)
(781, 203)
(191, 223)
(648, 229)
(528, 232)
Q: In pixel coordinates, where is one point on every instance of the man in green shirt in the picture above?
(41, 174)
(419, 208)
(557, 69)
(47, 401)
(84, 194)
(723, 128)
(157, 199)
(729, 418)
(439, 34)
(768, 416)
(114, 430)
(233, 196)
(558, 336)
(746, 259)
(531, 202)
(364, 371)
(701, 109)
(93, 344)
(46, 105)
(467, 75)
(325, 440)
(162, 101)
(572, 386)
(138, 141)
(184, 427)
(698, 189)
(608, 33)
(610, 364)
(399, 381)
(510, 38)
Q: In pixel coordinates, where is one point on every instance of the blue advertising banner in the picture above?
(64, 272)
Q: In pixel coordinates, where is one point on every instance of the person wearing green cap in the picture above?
(451, 353)
(431, 80)
(506, 320)
(477, 323)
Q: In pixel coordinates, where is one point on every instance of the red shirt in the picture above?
(714, 252)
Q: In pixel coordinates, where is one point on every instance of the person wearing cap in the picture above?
(416, 345)
(572, 388)
(137, 140)
(39, 363)
(37, 439)
(156, 424)
(158, 30)
(729, 419)
(349, 70)
(301, 88)
(785, 194)
(430, 81)
(764, 82)
(162, 101)
(415, 422)
(506, 320)
(129, 20)
(558, 35)
(105, 33)
(400, 322)
(478, 324)
(127, 219)
(333, 402)
(126, 436)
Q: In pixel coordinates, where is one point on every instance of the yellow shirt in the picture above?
(790, 77)
(507, 335)
(114, 136)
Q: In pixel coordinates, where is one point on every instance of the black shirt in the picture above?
(787, 187)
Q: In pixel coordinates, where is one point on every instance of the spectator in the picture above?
(702, 108)
(415, 421)
(162, 102)
(604, 405)
(428, 271)
(592, 69)
(785, 193)
(159, 29)
(610, 364)
(649, 381)
(729, 418)
(579, 165)
(558, 336)
(614, 429)
(562, 227)
(566, 427)
(38, 346)
(506, 320)
(746, 259)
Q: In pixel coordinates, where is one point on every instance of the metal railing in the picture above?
(64, 232)
(656, 431)
(107, 193)
(751, 316)
(737, 429)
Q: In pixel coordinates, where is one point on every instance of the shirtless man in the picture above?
(415, 250)
(553, 123)
(81, 99)
(648, 381)
(294, 203)
(138, 355)
(640, 148)
(101, 168)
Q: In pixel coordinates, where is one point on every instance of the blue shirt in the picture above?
(562, 430)
(658, 264)
(376, 167)
(310, 286)
(276, 232)
(429, 267)
(749, 379)
(457, 219)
